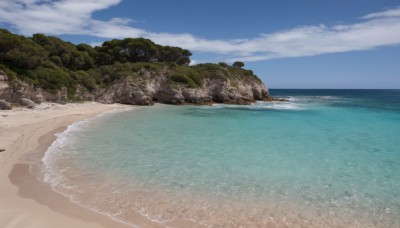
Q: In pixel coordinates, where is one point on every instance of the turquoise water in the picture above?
(327, 158)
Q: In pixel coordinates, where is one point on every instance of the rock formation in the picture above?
(4, 105)
(24, 102)
(146, 89)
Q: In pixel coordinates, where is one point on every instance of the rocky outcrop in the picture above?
(4, 105)
(236, 91)
(197, 96)
(150, 89)
(13, 91)
(125, 91)
(146, 89)
(169, 95)
(24, 102)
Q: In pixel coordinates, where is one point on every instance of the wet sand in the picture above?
(25, 134)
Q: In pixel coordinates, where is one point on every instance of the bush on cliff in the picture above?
(181, 78)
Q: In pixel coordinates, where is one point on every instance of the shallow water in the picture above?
(328, 158)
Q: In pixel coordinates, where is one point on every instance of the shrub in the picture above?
(181, 78)
(56, 60)
(189, 72)
(209, 70)
(52, 79)
(86, 80)
(10, 74)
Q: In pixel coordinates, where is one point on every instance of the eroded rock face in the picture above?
(14, 91)
(197, 96)
(125, 91)
(218, 90)
(169, 95)
(147, 89)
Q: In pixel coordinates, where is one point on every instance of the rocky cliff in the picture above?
(147, 86)
(130, 71)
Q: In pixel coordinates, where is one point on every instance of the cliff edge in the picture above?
(130, 71)
(147, 83)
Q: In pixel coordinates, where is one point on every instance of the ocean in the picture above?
(326, 158)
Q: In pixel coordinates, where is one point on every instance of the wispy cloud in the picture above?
(74, 17)
(388, 13)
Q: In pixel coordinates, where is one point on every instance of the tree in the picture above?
(140, 50)
(238, 64)
(50, 63)
(173, 54)
(21, 52)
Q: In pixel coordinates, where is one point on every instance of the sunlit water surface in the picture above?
(327, 158)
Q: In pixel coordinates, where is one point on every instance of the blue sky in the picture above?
(289, 44)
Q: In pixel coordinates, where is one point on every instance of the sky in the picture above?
(287, 43)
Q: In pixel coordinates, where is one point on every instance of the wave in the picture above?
(261, 105)
(54, 177)
(65, 136)
(327, 97)
(293, 103)
(278, 105)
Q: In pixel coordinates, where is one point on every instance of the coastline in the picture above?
(25, 134)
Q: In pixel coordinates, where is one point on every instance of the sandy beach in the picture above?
(25, 134)
(25, 199)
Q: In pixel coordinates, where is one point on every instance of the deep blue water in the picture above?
(378, 99)
(327, 158)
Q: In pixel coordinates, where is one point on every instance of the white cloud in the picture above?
(74, 17)
(193, 62)
(388, 13)
(94, 44)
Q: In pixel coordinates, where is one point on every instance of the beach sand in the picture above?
(24, 200)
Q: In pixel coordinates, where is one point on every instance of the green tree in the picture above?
(238, 64)
(174, 54)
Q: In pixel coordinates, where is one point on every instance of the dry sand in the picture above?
(25, 201)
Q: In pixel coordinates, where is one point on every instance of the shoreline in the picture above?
(26, 134)
(27, 201)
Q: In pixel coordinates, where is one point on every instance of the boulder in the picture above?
(168, 95)
(4, 105)
(26, 103)
(196, 96)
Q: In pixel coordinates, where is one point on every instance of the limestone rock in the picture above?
(169, 95)
(4, 105)
(26, 103)
(146, 88)
(197, 96)
(125, 91)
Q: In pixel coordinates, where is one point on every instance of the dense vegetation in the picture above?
(51, 63)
